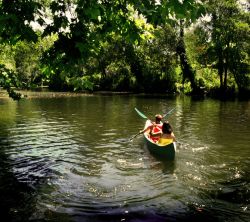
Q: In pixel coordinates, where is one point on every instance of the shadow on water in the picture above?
(19, 190)
(226, 203)
(234, 191)
(141, 216)
(14, 195)
(169, 166)
(19, 198)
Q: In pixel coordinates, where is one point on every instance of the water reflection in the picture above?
(17, 198)
(71, 159)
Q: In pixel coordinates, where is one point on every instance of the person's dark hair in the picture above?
(166, 128)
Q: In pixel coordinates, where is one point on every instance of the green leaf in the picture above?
(93, 13)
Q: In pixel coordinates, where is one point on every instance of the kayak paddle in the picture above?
(141, 114)
(145, 117)
(134, 136)
(168, 113)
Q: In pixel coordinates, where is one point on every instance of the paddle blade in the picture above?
(168, 112)
(141, 114)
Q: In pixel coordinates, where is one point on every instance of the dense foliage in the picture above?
(137, 46)
(224, 40)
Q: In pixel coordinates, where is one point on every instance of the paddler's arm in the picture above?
(173, 136)
(146, 129)
(155, 134)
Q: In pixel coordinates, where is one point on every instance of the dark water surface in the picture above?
(70, 159)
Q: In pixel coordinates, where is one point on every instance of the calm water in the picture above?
(70, 159)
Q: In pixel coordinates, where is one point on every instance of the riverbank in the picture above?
(41, 93)
(46, 93)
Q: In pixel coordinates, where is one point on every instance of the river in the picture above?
(70, 158)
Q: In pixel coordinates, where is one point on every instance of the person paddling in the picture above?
(167, 136)
(155, 128)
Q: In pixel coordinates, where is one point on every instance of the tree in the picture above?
(158, 59)
(82, 25)
(228, 46)
(15, 18)
(187, 70)
(179, 14)
(94, 21)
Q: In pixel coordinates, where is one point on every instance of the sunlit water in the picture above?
(71, 159)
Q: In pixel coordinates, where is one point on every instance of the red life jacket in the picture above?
(156, 129)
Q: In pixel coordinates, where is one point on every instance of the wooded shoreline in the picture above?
(39, 93)
(197, 48)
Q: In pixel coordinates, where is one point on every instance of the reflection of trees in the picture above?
(197, 120)
(183, 113)
(17, 199)
(233, 120)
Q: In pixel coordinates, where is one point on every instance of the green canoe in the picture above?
(163, 152)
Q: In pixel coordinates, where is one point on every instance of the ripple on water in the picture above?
(81, 163)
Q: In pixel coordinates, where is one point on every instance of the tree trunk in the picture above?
(102, 67)
(187, 70)
(134, 62)
(220, 67)
(226, 65)
(225, 78)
